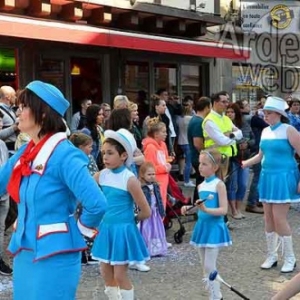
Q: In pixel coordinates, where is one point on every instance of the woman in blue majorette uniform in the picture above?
(119, 242)
(210, 232)
(279, 181)
(46, 177)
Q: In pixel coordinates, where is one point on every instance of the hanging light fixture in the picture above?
(75, 70)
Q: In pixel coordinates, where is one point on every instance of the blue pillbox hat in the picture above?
(50, 94)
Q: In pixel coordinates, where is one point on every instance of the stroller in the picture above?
(175, 200)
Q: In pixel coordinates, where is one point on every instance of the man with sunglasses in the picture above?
(219, 131)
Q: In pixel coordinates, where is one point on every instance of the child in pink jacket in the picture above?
(155, 151)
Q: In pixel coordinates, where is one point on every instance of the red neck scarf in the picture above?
(24, 168)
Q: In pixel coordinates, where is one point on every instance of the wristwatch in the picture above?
(231, 135)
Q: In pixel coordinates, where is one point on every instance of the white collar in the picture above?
(39, 163)
(217, 114)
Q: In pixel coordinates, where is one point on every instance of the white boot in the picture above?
(272, 246)
(214, 290)
(127, 294)
(288, 255)
(112, 292)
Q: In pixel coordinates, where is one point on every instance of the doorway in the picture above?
(85, 80)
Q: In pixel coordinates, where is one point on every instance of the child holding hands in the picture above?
(119, 242)
(210, 232)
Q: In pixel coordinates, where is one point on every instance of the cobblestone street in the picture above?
(178, 275)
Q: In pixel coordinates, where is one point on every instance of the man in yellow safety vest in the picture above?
(218, 130)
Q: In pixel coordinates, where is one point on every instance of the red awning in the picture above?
(89, 35)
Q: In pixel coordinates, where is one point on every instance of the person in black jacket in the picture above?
(257, 126)
(158, 109)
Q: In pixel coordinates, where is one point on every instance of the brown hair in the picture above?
(154, 101)
(202, 103)
(238, 121)
(118, 146)
(294, 100)
(154, 125)
(120, 118)
(44, 116)
(80, 139)
(143, 169)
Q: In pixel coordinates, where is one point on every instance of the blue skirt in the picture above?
(210, 234)
(120, 244)
(54, 278)
(279, 187)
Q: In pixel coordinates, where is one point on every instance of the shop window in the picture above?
(190, 81)
(165, 77)
(137, 85)
(249, 82)
(52, 71)
(85, 80)
(136, 80)
(8, 67)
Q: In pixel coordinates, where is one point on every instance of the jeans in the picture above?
(253, 196)
(237, 182)
(4, 207)
(188, 162)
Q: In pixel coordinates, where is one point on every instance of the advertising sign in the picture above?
(278, 17)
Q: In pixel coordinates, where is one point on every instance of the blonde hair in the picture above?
(80, 139)
(104, 105)
(187, 110)
(143, 169)
(121, 101)
(132, 106)
(154, 125)
(219, 160)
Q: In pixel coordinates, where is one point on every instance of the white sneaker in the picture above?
(169, 245)
(140, 267)
(189, 184)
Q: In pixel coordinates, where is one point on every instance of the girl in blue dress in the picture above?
(119, 242)
(210, 232)
(278, 182)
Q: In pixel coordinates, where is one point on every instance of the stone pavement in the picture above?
(179, 276)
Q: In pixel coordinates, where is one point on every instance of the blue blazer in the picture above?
(48, 198)
(157, 194)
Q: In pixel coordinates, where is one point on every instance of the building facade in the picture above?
(97, 49)
(271, 30)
